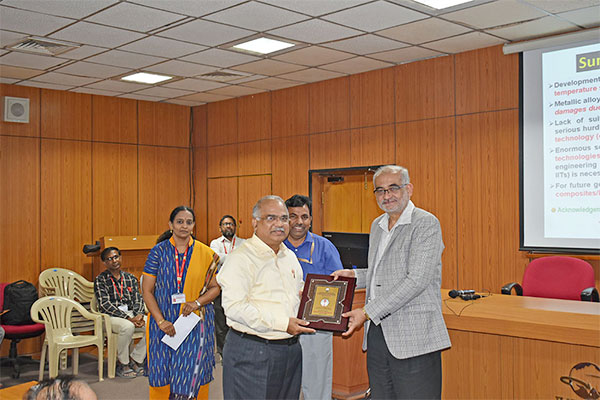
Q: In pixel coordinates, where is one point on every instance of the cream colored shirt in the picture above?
(260, 289)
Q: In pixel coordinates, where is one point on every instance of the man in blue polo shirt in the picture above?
(316, 255)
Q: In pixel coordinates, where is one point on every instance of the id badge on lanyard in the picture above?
(178, 298)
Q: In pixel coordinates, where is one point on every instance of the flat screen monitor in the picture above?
(353, 248)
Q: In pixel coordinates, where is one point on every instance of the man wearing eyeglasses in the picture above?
(260, 285)
(404, 328)
(223, 246)
(118, 294)
(317, 255)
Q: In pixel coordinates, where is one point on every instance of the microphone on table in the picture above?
(456, 293)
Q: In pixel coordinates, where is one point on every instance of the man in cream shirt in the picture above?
(260, 287)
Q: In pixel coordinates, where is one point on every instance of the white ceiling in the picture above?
(189, 38)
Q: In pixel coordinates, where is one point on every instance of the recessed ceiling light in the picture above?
(144, 77)
(263, 45)
(439, 4)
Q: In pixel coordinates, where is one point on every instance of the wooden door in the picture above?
(251, 188)
(222, 200)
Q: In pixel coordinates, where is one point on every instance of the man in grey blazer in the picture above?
(404, 328)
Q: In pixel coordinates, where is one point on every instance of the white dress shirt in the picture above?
(223, 246)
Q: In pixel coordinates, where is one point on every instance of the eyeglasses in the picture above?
(272, 218)
(392, 190)
(227, 224)
(113, 258)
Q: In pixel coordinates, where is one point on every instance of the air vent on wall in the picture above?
(224, 75)
(39, 46)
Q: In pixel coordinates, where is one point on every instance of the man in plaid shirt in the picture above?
(118, 294)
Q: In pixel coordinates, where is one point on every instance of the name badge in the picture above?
(178, 298)
(124, 308)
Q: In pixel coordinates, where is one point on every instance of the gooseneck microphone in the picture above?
(455, 293)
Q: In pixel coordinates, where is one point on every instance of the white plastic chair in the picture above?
(56, 313)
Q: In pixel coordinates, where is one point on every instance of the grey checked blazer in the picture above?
(407, 300)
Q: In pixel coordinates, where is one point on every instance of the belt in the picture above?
(288, 341)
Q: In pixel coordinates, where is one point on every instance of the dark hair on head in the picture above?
(167, 234)
(299, 200)
(107, 250)
(63, 387)
(225, 217)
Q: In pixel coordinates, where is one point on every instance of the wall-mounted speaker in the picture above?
(16, 109)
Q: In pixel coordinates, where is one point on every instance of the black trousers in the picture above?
(417, 377)
(221, 327)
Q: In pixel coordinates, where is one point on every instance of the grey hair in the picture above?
(256, 208)
(392, 169)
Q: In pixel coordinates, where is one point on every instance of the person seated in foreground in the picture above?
(63, 387)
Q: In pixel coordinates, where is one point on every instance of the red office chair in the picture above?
(15, 333)
(557, 277)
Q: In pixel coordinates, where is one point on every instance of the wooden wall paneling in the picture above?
(199, 118)
(428, 149)
(486, 80)
(200, 193)
(370, 208)
(342, 204)
(330, 150)
(163, 124)
(163, 184)
(222, 161)
(254, 158)
(254, 117)
(372, 98)
(251, 189)
(114, 119)
(425, 89)
(222, 199)
(31, 129)
(488, 200)
(115, 194)
(66, 204)
(66, 115)
(289, 111)
(222, 122)
(19, 209)
(289, 158)
(329, 105)
(373, 146)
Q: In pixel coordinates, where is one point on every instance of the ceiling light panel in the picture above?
(256, 16)
(441, 4)
(263, 46)
(147, 78)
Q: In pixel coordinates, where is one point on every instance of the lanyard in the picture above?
(232, 245)
(312, 248)
(115, 285)
(180, 270)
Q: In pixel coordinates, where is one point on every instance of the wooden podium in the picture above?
(134, 251)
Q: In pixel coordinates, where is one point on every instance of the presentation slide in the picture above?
(571, 124)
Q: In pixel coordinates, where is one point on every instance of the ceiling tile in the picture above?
(586, 17)
(7, 37)
(64, 8)
(117, 86)
(95, 91)
(405, 55)
(356, 65)
(64, 79)
(532, 29)
(249, 78)
(125, 59)
(556, 6)
(315, 31)
(495, 14)
(366, 44)
(204, 97)
(45, 85)
(220, 58)
(267, 67)
(31, 23)
(375, 16)
(190, 7)
(18, 59)
(88, 33)
(164, 92)
(8, 81)
(313, 56)
(3, 52)
(83, 68)
(236, 91)
(82, 52)
(213, 34)
(198, 85)
(272, 83)
(311, 75)
(180, 68)
(424, 31)
(466, 42)
(141, 97)
(6, 71)
(184, 102)
(162, 47)
(135, 17)
(316, 8)
(256, 16)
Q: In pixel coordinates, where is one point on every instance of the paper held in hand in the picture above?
(183, 326)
